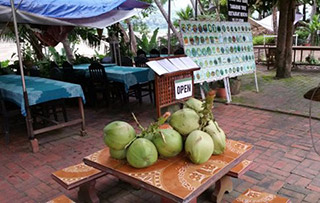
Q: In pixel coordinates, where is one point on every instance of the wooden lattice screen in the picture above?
(164, 87)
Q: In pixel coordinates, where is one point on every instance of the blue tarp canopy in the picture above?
(88, 13)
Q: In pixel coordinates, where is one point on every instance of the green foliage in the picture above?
(88, 35)
(4, 64)
(184, 14)
(59, 59)
(303, 35)
(312, 27)
(145, 44)
(259, 40)
(140, 26)
(44, 67)
(174, 43)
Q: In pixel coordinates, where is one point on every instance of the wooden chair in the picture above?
(61, 199)
(99, 82)
(270, 55)
(260, 197)
(154, 53)
(126, 61)
(141, 61)
(179, 51)
(141, 53)
(164, 50)
(68, 73)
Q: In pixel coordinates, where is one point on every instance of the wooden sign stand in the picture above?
(165, 86)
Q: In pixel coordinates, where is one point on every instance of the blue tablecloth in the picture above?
(39, 90)
(128, 75)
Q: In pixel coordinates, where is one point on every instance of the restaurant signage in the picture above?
(238, 10)
(220, 49)
(183, 88)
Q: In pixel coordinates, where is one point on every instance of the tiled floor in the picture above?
(284, 161)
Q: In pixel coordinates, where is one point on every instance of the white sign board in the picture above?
(183, 88)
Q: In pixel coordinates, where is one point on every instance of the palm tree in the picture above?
(170, 24)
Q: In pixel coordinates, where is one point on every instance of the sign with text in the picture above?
(238, 10)
(183, 88)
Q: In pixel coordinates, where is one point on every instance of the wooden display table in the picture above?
(175, 179)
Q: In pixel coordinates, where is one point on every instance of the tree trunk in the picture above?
(133, 40)
(125, 35)
(314, 9)
(67, 48)
(165, 15)
(284, 44)
(275, 19)
(304, 12)
(201, 9)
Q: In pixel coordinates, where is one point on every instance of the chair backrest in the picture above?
(98, 74)
(56, 74)
(164, 50)
(34, 71)
(141, 53)
(154, 53)
(67, 66)
(179, 51)
(141, 61)
(126, 61)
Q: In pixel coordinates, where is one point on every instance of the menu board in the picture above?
(221, 49)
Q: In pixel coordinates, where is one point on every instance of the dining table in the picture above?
(127, 75)
(175, 179)
(39, 91)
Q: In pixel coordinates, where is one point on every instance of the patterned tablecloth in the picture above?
(39, 90)
(178, 177)
(128, 75)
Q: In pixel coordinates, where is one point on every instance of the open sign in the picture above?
(183, 88)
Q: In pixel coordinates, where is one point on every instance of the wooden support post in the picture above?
(87, 193)
(223, 185)
(83, 124)
(301, 55)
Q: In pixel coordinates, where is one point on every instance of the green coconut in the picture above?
(185, 121)
(199, 146)
(117, 154)
(218, 137)
(142, 153)
(118, 134)
(193, 104)
(168, 142)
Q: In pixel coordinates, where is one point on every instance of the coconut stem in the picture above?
(139, 125)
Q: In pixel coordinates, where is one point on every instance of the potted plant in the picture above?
(235, 85)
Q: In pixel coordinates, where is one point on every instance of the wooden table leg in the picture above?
(223, 185)
(87, 193)
(34, 145)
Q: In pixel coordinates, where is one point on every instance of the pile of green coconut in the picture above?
(193, 128)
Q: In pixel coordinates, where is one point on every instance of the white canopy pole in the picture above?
(24, 89)
(169, 18)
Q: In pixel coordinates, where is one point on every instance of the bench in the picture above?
(61, 199)
(259, 197)
(225, 183)
(82, 176)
